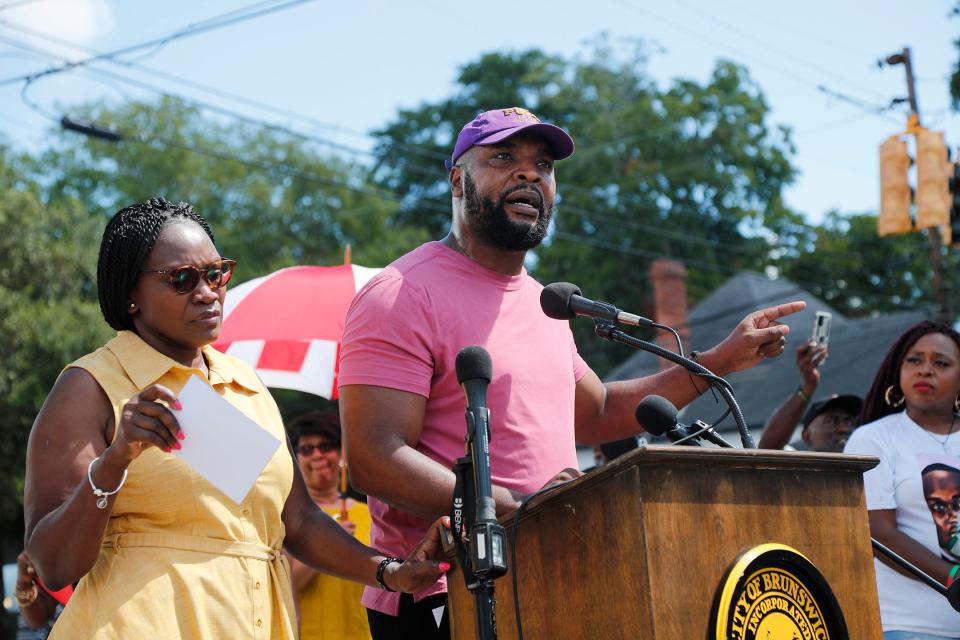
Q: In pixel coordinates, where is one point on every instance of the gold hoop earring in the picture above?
(893, 403)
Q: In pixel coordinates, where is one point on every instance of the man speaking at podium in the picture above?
(401, 407)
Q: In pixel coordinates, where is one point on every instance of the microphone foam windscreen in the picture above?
(474, 362)
(555, 300)
(656, 414)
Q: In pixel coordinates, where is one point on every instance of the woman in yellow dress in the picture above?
(158, 551)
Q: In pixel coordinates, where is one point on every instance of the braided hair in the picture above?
(127, 241)
(875, 405)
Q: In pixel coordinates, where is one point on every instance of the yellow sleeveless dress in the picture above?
(179, 558)
(329, 606)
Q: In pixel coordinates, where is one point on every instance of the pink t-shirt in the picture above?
(404, 330)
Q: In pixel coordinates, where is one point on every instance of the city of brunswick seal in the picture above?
(773, 592)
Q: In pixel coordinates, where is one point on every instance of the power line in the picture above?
(210, 24)
(768, 46)
(792, 29)
(244, 100)
(673, 211)
(649, 132)
(268, 166)
(156, 49)
(725, 47)
(241, 99)
(14, 5)
(874, 109)
(268, 125)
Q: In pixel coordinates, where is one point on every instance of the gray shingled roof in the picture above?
(857, 345)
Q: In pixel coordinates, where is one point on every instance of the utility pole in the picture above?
(941, 291)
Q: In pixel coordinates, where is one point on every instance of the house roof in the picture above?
(857, 346)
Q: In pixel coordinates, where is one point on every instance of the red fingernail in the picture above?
(176, 445)
(444, 567)
(180, 434)
(167, 449)
(177, 405)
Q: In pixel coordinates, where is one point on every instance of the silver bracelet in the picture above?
(100, 493)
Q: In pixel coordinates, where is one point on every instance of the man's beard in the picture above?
(494, 227)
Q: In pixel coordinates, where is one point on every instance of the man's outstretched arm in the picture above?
(605, 412)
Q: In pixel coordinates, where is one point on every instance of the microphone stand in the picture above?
(483, 557)
(952, 594)
(609, 332)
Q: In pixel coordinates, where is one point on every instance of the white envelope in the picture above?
(224, 446)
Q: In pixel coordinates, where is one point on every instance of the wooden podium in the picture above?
(640, 547)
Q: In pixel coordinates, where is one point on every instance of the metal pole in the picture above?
(941, 292)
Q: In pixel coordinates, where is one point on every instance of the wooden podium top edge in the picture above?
(753, 458)
(773, 460)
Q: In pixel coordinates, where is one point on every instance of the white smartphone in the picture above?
(821, 328)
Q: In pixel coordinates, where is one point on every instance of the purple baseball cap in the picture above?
(491, 127)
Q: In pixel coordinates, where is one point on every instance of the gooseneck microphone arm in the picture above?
(606, 330)
(564, 301)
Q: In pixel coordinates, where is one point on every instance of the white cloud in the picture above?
(77, 21)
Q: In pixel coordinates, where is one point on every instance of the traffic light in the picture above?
(934, 171)
(953, 231)
(894, 187)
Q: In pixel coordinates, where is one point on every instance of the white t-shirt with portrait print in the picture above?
(905, 449)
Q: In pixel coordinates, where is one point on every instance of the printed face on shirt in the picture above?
(941, 488)
(930, 373)
(509, 192)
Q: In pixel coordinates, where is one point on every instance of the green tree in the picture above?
(693, 171)
(844, 262)
(273, 198)
(48, 311)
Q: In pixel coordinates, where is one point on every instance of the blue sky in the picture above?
(347, 67)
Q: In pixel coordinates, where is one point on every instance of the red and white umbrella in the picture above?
(288, 324)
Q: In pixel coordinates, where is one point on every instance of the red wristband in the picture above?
(953, 575)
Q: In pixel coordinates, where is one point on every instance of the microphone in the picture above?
(487, 536)
(658, 416)
(474, 372)
(564, 301)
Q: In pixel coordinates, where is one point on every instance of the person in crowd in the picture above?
(329, 607)
(910, 415)
(158, 551)
(401, 406)
(826, 423)
(39, 607)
